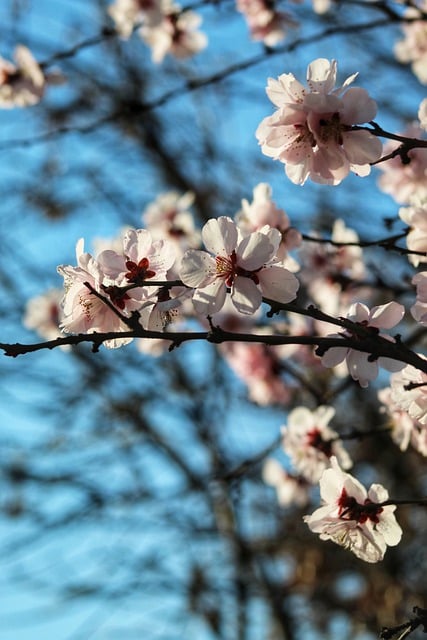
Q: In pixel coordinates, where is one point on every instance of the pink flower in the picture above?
(264, 21)
(416, 217)
(359, 365)
(42, 314)
(413, 400)
(419, 309)
(246, 265)
(311, 130)
(290, 489)
(119, 278)
(403, 181)
(353, 517)
(176, 34)
(310, 443)
(413, 48)
(263, 211)
(169, 216)
(404, 429)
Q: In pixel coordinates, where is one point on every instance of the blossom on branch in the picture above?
(362, 366)
(413, 48)
(409, 392)
(353, 517)
(176, 34)
(415, 217)
(405, 430)
(245, 265)
(264, 21)
(311, 131)
(310, 443)
(127, 14)
(419, 309)
(290, 489)
(23, 84)
(119, 279)
(43, 312)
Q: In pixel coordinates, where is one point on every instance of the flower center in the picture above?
(350, 509)
(331, 130)
(227, 268)
(140, 272)
(314, 439)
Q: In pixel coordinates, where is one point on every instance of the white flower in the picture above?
(353, 517)
(422, 114)
(311, 130)
(413, 400)
(419, 309)
(176, 34)
(42, 314)
(244, 265)
(23, 84)
(126, 14)
(416, 217)
(413, 48)
(405, 430)
(290, 489)
(310, 443)
(359, 364)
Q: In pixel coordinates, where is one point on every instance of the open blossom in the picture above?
(119, 278)
(290, 489)
(169, 216)
(353, 517)
(422, 114)
(360, 366)
(246, 265)
(416, 217)
(419, 309)
(264, 21)
(310, 442)
(413, 48)
(42, 314)
(404, 181)
(405, 430)
(23, 84)
(264, 211)
(413, 400)
(126, 14)
(176, 34)
(311, 130)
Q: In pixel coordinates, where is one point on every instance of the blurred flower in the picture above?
(290, 489)
(264, 21)
(404, 429)
(263, 211)
(413, 47)
(42, 314)
(416, 217)
(127, 14)
(310, 443)
(176, 34)
(401, 180)
(245, 265)
(409, 392)
(311, 130)
(23, 84)
(353, 517)
(419, 309)
(360, 365)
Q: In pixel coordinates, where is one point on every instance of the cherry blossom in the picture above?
(246, 265)
(354, 518)
(311, 131)
(169, 216)
(360, 366)
(119, 278)
(42, 314)
(416, 217)
(419, 309)
(310, 443)
(264, 21)
(422, 114)
(263, 211)
(290, 489)
(127, 14)
(413, 48)
(402, 181)
(404, 429)
(176, 34)
(23, 84)
(409, 392)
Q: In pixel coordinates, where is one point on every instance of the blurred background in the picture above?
(132, 503)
